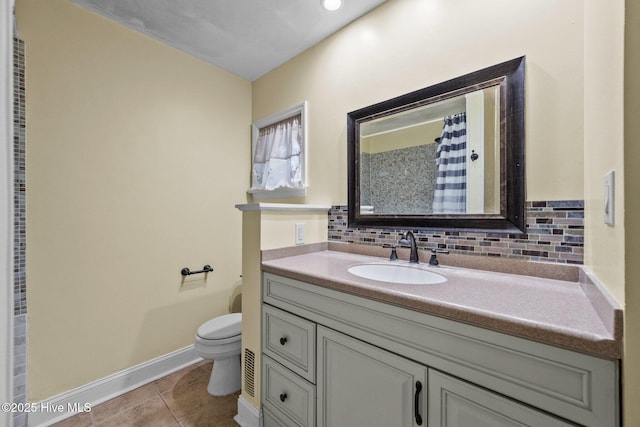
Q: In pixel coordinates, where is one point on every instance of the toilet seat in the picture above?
(221, 328)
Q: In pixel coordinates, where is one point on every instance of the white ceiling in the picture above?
(246, 37)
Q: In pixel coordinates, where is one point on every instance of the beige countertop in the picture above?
(570, 313)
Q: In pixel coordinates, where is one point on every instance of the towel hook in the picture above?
(474, 155)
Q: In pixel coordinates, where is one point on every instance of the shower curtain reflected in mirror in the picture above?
(450, 196)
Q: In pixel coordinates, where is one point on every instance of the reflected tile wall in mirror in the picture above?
(399, 181)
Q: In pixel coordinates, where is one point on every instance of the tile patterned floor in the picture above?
(177, 400)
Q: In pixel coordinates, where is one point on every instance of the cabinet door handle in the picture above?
(283, 397)
(283, 340)
(417, 403)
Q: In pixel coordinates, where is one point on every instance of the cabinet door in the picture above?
(362, 385)
(456, 403)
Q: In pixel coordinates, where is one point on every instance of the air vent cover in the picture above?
(249, 372)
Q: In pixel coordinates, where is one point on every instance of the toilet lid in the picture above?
(221, 327)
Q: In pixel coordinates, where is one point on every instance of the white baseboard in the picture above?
(73, 401)
(248, 416)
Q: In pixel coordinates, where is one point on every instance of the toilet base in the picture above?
(225, 376)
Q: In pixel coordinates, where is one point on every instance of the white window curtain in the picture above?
(277, 156)
(450, 196)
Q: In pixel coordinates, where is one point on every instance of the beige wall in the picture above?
(263, 230)
(612, 92)
(405, 45)
(251, 307)
(604, 144)
(631, 206)
(135, 155)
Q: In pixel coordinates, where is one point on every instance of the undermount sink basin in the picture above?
(396, 273)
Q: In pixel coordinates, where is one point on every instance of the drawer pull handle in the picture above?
(283, 397)
(417, 403)
(283, 340)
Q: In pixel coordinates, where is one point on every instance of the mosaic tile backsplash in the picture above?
(554, 233)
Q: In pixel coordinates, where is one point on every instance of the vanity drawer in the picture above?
(290, 340)
(287, 396)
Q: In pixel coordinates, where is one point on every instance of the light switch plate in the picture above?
(609, 192)
(299, 234)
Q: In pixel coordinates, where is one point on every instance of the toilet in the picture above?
(220, 340)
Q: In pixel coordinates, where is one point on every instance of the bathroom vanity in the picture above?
(482, 349)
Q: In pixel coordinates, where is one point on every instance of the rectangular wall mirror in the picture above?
(446, 156)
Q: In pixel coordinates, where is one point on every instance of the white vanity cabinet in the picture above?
(332, 359)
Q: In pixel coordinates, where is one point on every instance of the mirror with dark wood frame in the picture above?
(448, 156)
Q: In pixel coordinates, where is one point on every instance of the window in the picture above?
(278, 167)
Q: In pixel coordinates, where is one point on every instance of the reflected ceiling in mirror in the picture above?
(447, 156)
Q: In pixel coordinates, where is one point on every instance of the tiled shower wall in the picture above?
(20, 237)
(554, 233)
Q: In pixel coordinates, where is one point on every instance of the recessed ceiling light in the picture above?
(332, 5)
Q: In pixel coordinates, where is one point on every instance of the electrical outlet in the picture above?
(299, 234)
(609, 192)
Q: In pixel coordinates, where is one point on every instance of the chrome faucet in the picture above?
(409, 239)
